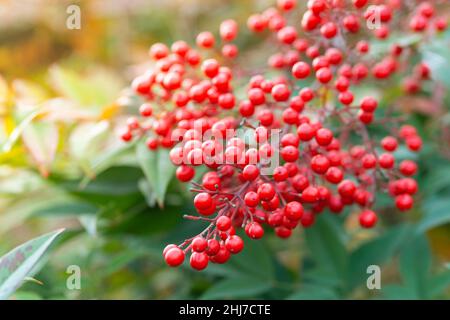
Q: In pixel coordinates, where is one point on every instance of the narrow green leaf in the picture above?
(255, 253)
(74, 208)
(313, 292)
(415, 263)
(158, 169)
(375, 252)
(17, 264)
(438, 284)
(238, 287)
(327, 246)
(437, 55)
(436, 213)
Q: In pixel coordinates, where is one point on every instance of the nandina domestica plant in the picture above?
(298, 142)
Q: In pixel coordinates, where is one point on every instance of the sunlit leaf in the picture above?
(157, 168)
(17, 264)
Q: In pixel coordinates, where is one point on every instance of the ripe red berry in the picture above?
(174, 257)
(367, 218)
(389, 143)
(199, 244)
(266, 191)
(199, 260)
(228, 30)
(404, 202)
(293, 210)
(203, 200)
(386, 160)
(324, 136)
(301, 70)
(250, 172)
(254, 230)
(324, 75)
(346, 188)
(310, 194)
(334, 175)
(256, 96)
(329, 30)
(320, 164)
(234, 244)
(290, 153)
(223, 223)
(205, 40)
(408, 167)
(280, 174)
(280, 92)
(368, 104)
(184, 173)
(251, 199)
(305, 132)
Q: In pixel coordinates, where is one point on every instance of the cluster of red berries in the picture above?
(294, 145)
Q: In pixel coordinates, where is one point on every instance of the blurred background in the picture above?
(62, 165)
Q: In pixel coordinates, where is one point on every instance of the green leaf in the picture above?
(115, 181)
(437, 180)
(436, 213)
(327, 246)
(255, 253)
(17, 264)
(98, 87)
(158, 169)
(415, 263)
(238, 287)
(437, 56)
(397, 292)
(438, 284)
(74, 208)
(375, 252)
(313, 292)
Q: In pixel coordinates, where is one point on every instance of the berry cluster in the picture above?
(295, 144)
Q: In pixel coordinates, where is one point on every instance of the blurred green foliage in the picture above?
(61, 165)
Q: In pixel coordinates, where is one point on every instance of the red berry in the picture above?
(251, 199)
(367, 219)
(328, 30)
(213, 247)
(301, 70)
(185, 173)
(223, 223)
(386, 160)
(346, 188)
(404, 202)
(205, 40)
(228, 30)
(203, 201)
(368, 104)
(199, 260)
(324, 75)
(293, 210)
(324, 136)
(250, 172)
(320, 164)
(408, 167)
(280, 92)
(234, 244)
(334, 175)
(389, 143)
(266, 192)
(305, 132)
(199, 244)
(174, 257)
(254, 230)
